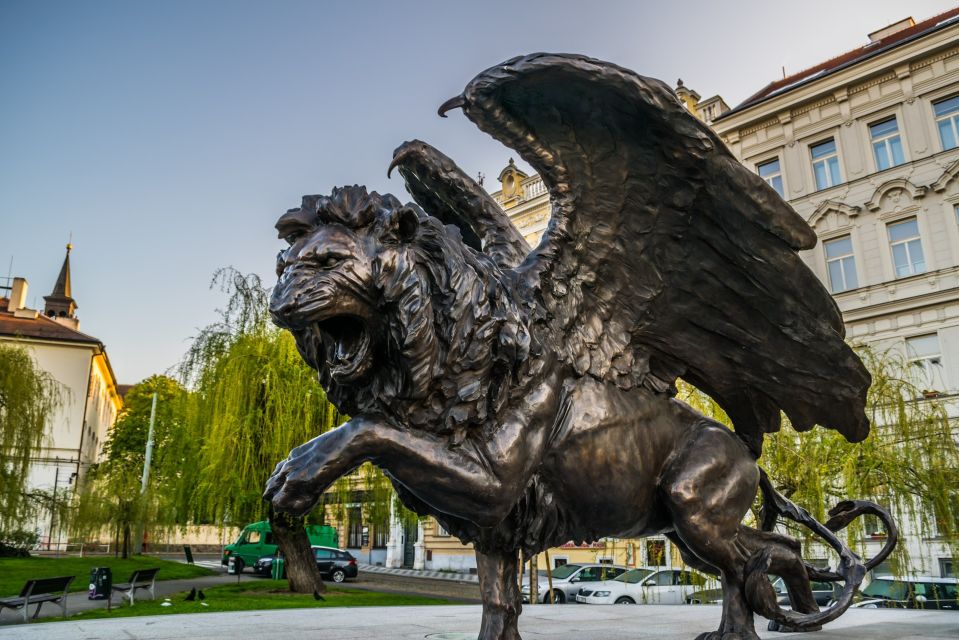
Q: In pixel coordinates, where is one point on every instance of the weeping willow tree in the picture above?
(112, 493)
(29, 397)
(253, 400)
(909, 463)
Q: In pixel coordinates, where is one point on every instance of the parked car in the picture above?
(256, 541)
(334, 564)
(823, 592)
(567, 580)
(918, 592)
(646, 585)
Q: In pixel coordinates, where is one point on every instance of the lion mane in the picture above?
(446, 318)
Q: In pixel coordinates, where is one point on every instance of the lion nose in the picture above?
(281, 308)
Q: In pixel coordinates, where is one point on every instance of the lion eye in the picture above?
(328, 262)
(293, 237)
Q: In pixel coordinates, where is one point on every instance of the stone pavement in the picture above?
(568, 622)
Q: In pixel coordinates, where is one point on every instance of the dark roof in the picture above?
(849, 58)
(40, 328)
(122, 390)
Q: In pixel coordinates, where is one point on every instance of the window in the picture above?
(872, 526)
(906, 248)
(841, 264)
(663, 578)
(354, 528)
(947, 113)
(656, 553)
(253, 537)
(325, 554)
(559, 562)
(773, 175)
(611, 573)
(923, 351)
(825, 164)
(886, 144)
(381, 535)
(946, 568)
(589, 574)
(441, 531)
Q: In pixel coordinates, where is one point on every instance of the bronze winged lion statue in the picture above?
(525, 397)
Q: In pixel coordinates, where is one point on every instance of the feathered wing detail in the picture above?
(445, 191)
(664, 256)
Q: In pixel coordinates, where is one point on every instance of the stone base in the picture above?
(559, 622)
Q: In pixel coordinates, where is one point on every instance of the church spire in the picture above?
(60, 303)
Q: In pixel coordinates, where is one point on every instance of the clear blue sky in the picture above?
(168, 136)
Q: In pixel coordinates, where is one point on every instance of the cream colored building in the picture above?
(865, 147)
(79, 362)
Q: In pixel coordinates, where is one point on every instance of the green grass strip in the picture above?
(14, 572)
(260, 594)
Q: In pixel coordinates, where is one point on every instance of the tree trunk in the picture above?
(126, 540)
(301, 570)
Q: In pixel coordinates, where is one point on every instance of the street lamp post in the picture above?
(148, 457)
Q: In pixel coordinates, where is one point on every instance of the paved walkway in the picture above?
(567, 622)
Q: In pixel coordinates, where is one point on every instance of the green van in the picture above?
(256, 541)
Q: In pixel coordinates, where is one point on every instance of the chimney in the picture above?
(18, 295)
(895, 27)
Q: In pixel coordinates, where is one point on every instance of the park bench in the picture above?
(37, 592)
(140, 579)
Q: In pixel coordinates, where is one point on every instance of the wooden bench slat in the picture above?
(38, 592)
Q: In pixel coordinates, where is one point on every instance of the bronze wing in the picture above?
(664, 256)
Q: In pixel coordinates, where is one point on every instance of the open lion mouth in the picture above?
(347, 346)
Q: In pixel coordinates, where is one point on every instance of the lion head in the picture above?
(391, 308)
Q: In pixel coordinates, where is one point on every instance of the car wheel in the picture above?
(238, 565)
(558, 597)
(624, 600)
(339, 575)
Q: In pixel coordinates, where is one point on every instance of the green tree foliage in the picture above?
(112, 493)
(29, 397)
(909, 463)
(253, 400)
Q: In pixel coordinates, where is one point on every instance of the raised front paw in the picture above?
(297, 482)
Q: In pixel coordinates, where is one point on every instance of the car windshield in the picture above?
(633, 576)
(565, 571)
(886, 589)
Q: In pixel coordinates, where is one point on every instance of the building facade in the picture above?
(865, 147)
(90, 399)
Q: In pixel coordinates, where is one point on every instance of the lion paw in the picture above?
(295, 486)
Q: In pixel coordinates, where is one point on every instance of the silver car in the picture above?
(568, 579)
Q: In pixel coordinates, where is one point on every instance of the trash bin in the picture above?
(101, 582)
(278, 568)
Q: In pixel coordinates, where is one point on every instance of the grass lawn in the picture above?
(14, 572)
(259, 594)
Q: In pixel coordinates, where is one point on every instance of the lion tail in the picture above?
(851, 570)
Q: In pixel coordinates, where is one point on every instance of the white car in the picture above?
(646, 586)
(568, 579)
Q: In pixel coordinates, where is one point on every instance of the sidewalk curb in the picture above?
(419, 573)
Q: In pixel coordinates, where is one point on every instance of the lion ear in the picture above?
(403, 223)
